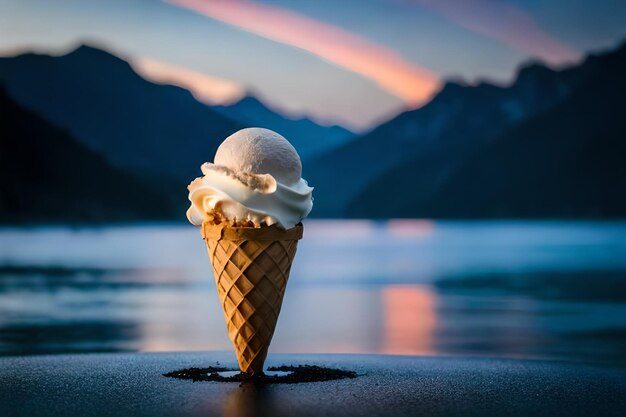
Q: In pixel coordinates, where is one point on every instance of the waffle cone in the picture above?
(251, 268)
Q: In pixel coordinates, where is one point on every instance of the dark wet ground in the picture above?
(133, 384)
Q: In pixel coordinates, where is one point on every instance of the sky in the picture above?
(350, 62)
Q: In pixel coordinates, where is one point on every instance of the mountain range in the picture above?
(47, 176)
(143, 127)
(567, 160)
(552, 144)
(491, 151)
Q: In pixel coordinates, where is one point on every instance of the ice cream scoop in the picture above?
(260, 151)
(255, 177)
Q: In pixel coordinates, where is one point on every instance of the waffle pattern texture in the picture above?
(251, 268)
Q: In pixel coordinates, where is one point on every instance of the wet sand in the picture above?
(134, 384)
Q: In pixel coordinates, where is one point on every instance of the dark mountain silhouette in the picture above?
(144, 127)
(568, 160)
(433, 139)
(46, 176)
(550, 145)
(309, 138)
(436, 134)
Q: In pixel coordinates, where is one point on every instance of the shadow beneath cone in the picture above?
(281, 375)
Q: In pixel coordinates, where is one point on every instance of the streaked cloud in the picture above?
(208, 89)
(408, 81)
(506, 23)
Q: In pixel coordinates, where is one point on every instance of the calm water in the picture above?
(514, 289)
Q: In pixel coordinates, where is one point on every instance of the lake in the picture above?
(543, 290)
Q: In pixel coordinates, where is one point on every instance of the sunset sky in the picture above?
(353, 62)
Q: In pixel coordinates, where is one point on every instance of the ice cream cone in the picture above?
(251, 268)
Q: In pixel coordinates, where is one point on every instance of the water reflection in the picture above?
(248, 399)
(410, 320)
(411, 228)
(405, 287)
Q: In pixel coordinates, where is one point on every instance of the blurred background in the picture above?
(468, 159)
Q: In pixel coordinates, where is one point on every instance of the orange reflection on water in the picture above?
(410, 319)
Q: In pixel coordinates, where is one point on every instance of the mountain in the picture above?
(309, 138)
(138, 125)
(549, 145)
(98, 98)
(566, 161)
(46, 176)
(411, 157)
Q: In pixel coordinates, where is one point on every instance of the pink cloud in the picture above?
(388, 69)
(506, 23)
(206, 88)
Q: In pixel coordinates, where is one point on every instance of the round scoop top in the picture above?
(260, 151)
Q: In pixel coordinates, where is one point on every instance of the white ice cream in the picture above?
(256, 176)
